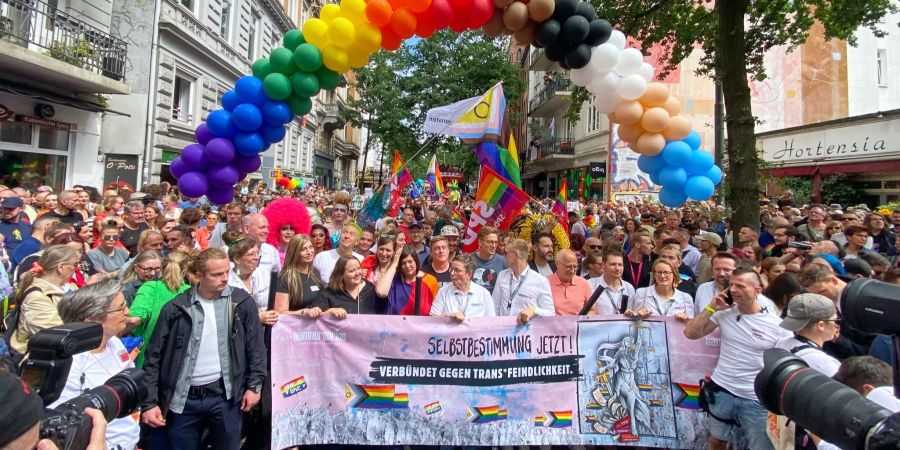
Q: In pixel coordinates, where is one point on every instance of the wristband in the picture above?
(710, 309)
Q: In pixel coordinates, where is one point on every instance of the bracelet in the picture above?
(710, 309)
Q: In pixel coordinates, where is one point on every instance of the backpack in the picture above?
(11, 323)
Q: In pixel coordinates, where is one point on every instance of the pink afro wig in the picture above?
(286, 211)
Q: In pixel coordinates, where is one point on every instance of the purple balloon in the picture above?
(193, 184)
(202, 134)
(247, 164)
(178, 168)
(193, 158)
(220, 196)
(220, 151)
(222, 176)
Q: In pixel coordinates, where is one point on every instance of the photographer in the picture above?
(103, 303)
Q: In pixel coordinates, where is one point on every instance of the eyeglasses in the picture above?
(663, 274)
(118, 310)
(149, 269)
(455, 270)
(111, 237)
(837, 322)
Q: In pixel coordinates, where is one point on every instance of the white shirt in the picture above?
(691, 257)
(706, 292)
(812, 354)
(208, 367)
(260, 282)
(680, 303)
(475, 303)
(269, 261)
(610, 301)
(534, 291)
(324, 262)
(90, 370)
(744, 339)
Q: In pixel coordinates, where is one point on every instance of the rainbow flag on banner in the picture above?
(485, 414)
(539, 421)
(293, 387)
(687, 396)
(375, 397)
(497, 203)
(559, 419)
(432, 408)
(434, 177)
(559, 205)
(504, 161)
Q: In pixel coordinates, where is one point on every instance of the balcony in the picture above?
(555, 150)
(331, 118)
(42, 44)
(553, 97)
(540, 62)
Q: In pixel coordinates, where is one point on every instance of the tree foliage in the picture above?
(397, 88)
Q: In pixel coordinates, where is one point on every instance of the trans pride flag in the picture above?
(559, 205)
(497, 203)
(434, 177)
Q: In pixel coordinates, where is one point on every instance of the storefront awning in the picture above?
(59, 99)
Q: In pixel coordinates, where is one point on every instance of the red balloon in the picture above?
(460, 5)
(424, 27)
(440, 13)
(459, 23)
(480, 13)
(389, 40)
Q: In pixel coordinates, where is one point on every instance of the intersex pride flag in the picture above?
(497, 203)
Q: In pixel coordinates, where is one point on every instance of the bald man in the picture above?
(256, 226)
(570, 291)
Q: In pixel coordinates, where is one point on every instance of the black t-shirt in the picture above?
(366, 303)
(443, 278)
(72, 217)
(312, 290)
(129, 238)
(640, 270)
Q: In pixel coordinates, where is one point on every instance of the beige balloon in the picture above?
(612, 117)
(655, 120)
(629, 112)
(629, 133)
(650, 144)
(525, 36)
(655, 95)
(516, 16)
(679, 128)
(495, 26)
(541, 10)
(673, 106)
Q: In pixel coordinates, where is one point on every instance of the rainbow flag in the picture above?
(497, 203)
(687, 396)
(432, 408)
(485, 414)
(559, 205)
(375, 397)
(293, 387)
(504, 161)
(539, 421)
(434, 177)
(398, 170)
(645, 387)
(559, 419)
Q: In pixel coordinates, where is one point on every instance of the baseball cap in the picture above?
(858, 266)
(12, 202)
(416, 224)
(712, 238)
(806, 308)
(22, 408)
(449, 230)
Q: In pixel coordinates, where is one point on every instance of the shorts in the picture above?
(749, 416)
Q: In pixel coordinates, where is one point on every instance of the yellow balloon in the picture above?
(357, 57)
(342, 32)
(315, 31)
(336, 59)
(330, 12)
(368, 37)
(355, 10)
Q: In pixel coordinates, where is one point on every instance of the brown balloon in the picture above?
(502, 3)
(495, 26)
(541, 10)
(516, 16)
(525, 36)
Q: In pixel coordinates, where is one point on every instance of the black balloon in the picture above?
(564, 9)
(586, 10)
(562, 63)
(576, 29)
(557, 51)
(578, 56)
(600, 30)
(548, 33)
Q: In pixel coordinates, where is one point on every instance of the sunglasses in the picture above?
(595, 247)
(111, 237)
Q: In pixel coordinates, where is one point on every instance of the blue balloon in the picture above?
(699, 162)
(247, 117)
(250, 90)
(694, 140)
(654, 178)
(715, 175)
(672, 177)
(699, 187)
(676, 153)
(220, 124)
(672, 197)
(249, 144)
(230, 100)
(650, 164)
(277, 113)
(272, 133)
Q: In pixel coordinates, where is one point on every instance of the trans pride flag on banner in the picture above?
(497, 203)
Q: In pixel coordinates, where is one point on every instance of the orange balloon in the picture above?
(379, 12)
(650, 144)
(679, 128)
(655, 120)
(397, 4)
(418, 6)
(629, 112)
(403, 22)
(673, 106)
(655, 95)
(612, 117)
(629, 133)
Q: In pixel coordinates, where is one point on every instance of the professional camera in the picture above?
(50, 359)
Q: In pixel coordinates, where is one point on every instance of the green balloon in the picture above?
(282, 61)
(277, 86)
(305, 84)
(292, 39)
(300, 106)
(308, 58)
(261, 68)
(328, 79)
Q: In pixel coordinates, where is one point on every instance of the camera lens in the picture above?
(871, 306)
(117, 398)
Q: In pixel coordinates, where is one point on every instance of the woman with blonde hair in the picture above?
(661, 298)
(299, 287)
(770, 269)
(154, 294)
(39, 292)
(112, 206)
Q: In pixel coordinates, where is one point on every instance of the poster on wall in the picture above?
(626, 180)
(120, 170)
(395, 380)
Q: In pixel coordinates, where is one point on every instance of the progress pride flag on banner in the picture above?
(497, 203)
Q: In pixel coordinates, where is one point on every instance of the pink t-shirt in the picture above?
(569, 298)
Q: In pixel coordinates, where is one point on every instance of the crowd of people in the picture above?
(182, 288)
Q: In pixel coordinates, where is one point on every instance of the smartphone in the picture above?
(729, 299)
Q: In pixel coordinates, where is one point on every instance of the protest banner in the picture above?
(394, 380)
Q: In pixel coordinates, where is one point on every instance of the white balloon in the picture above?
(583, 76)
(632, 87)
(646, 72)
(604, 85)
(617, 38)
(606, 104)
(604, 57)
(629, 62)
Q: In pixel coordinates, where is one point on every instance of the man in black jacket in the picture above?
(206, 360)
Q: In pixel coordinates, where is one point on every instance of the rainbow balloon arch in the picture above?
(254, 114)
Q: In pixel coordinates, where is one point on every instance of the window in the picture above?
(253, 35)
(189, 4)
(16, 132)
(225, 24)
(881, 67)
(182, 100)
(592, 119)
(53, 138)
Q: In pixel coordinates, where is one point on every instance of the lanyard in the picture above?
(636, 278)
(512, 296)
(465, 305)
(658, 308)
(612, 302)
